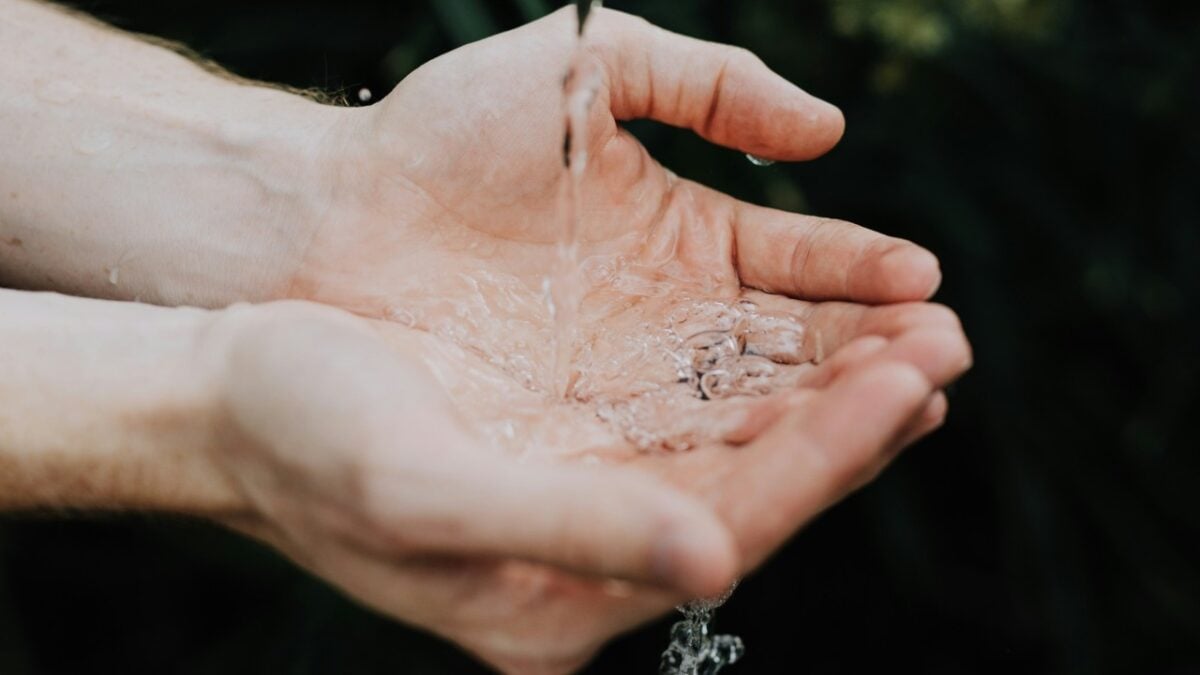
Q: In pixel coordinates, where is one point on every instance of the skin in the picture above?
(317, 423)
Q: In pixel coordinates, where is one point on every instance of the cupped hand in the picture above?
(447, 199)
(360, 467)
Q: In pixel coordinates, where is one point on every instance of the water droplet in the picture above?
(710, 347)
(779, 338)
(727, 649)
(93, 141)
(718, 383)
(752, 376)
(692, 650)
(709, 604)
(759, 161)
(364, 95)
(114, 275)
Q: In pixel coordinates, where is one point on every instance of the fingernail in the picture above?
(913, 265)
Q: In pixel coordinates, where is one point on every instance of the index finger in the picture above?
(825, 259)
(725, 94)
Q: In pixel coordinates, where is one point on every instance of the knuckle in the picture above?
(740, 56)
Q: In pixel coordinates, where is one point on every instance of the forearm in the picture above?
(107, 405)
(128, 171)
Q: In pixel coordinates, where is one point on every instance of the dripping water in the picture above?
(580, 85)
(693, 651)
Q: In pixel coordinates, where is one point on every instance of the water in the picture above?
(711, 349)
(694, 371)
(759, 161)
(693, 650)
(580, 86)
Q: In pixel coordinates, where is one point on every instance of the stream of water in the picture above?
(718, 348)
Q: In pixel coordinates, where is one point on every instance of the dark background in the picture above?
(1046, 150)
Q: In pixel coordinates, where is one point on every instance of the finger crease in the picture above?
(714, 100)
(801, 251)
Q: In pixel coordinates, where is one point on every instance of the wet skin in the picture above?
(456, 177)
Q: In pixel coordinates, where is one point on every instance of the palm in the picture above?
(457, 232)
(515, 610)
(447, 225)
(783, 473)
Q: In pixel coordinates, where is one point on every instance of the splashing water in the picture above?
(692, 650)
(710, 350)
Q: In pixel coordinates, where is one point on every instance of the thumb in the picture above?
(726, 94)
(594, 519)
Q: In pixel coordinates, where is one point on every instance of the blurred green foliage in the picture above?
(1047, 150)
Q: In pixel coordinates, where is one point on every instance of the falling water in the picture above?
(719, 348)
(580, 86)
(692, 650)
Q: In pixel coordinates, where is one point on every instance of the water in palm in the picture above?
(716, 347)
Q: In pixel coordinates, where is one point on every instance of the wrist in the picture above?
(264, 199)
(364, 206)
(279, 145)
(108, 406)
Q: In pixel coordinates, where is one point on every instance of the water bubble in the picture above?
(364, 95)
(759, 161)
(752, 376)
(779, 338)
(688, 377)
(708, 348)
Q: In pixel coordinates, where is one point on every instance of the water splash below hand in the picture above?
(692, 650)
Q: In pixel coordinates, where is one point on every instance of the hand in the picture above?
(445, 216)
(379, 457)
(455, 181)
(356, 465)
